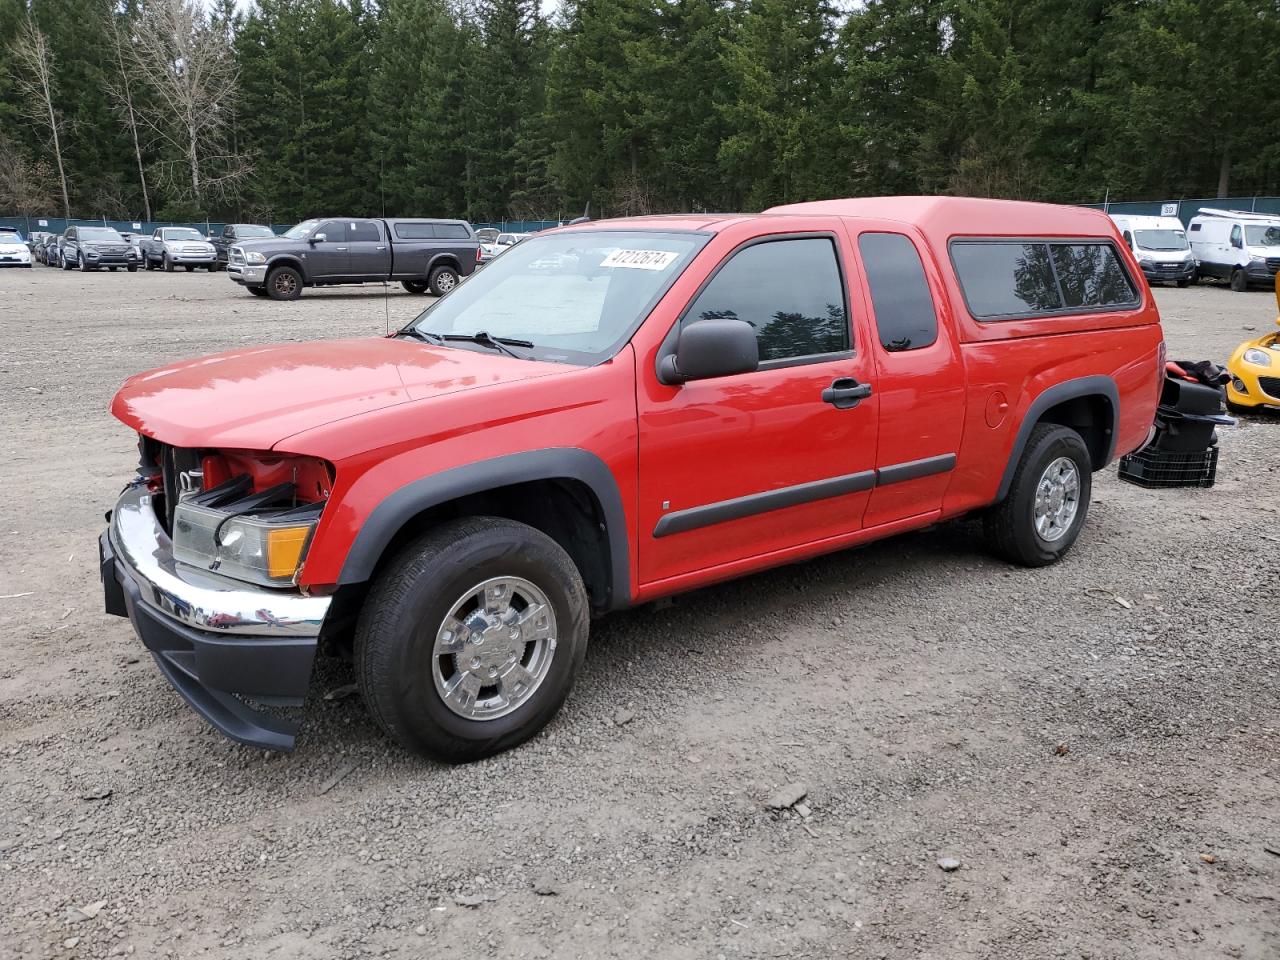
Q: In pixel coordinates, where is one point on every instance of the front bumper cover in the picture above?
(228, 648)
(250, 275)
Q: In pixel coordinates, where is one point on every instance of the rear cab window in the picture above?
(1019, 279)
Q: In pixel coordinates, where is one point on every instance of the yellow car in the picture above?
(1255, 369)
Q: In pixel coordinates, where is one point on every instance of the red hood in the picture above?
(253, 399)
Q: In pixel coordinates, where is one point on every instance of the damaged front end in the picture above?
(202, 553)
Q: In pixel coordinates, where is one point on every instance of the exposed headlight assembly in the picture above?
(253, 256)
(1254, 355)
(257, 537)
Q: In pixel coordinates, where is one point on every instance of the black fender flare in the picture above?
(286, 260)
(1095, 386)
(554, 463)
(444, 260)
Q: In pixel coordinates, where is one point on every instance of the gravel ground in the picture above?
(1094, 743)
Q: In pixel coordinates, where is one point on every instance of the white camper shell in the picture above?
(1242, 248)
(1160, 246)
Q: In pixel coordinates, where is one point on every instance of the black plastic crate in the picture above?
(1153, 467)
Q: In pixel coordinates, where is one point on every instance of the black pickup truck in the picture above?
(424, 255)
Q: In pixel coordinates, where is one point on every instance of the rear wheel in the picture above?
(190, 268)
(132, 268)
(469, 642)
(414, 286)
(1048, 500)
(111, 269)
(1185, 282)
(284, 283)
(443, 279)
(257, 291)
(1239, 280)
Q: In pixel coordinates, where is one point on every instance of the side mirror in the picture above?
(318, 238)
(1237, 242)
(711, 348)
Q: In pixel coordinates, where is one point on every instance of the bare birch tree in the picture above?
(121, 90)
(34, 78)
(189, 65)
(24, 183)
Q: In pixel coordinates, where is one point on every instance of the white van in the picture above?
(1160, 246)
(1243, 248)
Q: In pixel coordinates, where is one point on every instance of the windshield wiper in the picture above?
(423, 335)
(485, 339)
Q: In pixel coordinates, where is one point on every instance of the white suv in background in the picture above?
(1243, 248)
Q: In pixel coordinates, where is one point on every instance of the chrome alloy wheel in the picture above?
(446, 281)
(285, 283)
(494, 648)
(1057, 499)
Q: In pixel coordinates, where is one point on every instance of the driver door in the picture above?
(744, 465)
(330, 259)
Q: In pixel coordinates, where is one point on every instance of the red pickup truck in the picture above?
(610, 413)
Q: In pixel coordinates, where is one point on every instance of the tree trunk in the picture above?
(193, 156)
(57, 152)
(1224, 172)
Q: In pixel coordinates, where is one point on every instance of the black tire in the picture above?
(408, 603)
(214, 268)
(1010, 525)
(189, 267)
(111, 269)
(132, 268)
(1186, 282)
(84, 264)
(284, 283)
(257, 291)
(414, 286)
(65, 263)
(443, 279)
(1239, 280)
(166, 263)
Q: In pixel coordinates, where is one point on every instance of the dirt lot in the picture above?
(1096, 743)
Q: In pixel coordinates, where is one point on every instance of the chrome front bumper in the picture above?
(197, 598)
(227, 647)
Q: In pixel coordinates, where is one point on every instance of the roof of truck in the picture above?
(944, 216)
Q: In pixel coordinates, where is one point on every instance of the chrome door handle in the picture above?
(382, 248)
(341, 249)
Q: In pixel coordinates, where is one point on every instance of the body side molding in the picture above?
(740, 507)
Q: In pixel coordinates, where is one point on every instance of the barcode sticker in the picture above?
(640, 259)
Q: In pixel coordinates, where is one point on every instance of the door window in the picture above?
(790, 291)
(335, 231)
(365, 231)
(900, 293)
(1236, 236)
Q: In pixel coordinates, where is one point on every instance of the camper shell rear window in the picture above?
(1016, 278)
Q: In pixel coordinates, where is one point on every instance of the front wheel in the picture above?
(84, 264)
(443, 279)
(166, 263)
(1048, 500)
(469, 642)
(65, 263)
(414, 286)
(1239, 281)
(284, 283)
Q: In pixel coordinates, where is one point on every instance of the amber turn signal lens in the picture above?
(284, 550)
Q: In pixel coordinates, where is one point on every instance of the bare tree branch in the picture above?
(34, 78)
(188, 62)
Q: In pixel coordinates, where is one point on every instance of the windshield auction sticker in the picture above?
(640, 259)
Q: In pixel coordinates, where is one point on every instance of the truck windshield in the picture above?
(100, 233)
(577, 297)
(245, 232)
(301, 231)
(1161, 239)
(1262, 236)
(182, 233)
